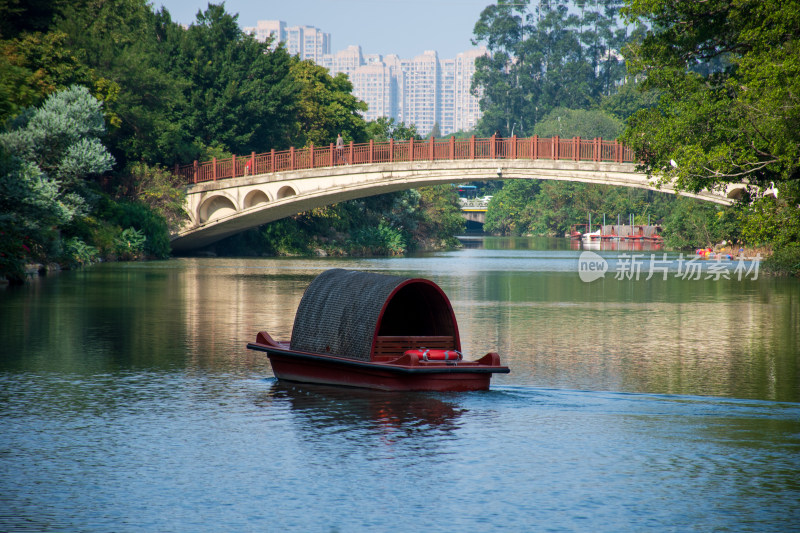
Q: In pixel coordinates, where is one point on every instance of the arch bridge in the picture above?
(228, 196)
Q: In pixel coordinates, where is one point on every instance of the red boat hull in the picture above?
(407, 373)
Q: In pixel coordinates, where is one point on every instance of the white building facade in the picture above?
(423, 91)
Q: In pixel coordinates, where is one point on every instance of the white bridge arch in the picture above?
(228, 204)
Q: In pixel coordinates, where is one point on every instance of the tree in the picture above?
(240, 95)
(543, 59)
(504, 214)
(62, 138)
(130, 48)
(695, 224)
(46, 161)
(729, 81)
(382, 129)
(326, 106)
(579, 123)
(34, 66)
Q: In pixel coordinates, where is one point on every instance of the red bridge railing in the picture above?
(555, 148)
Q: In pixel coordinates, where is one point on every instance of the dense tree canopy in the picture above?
(543, 56)
(326, 107)
(728, 72)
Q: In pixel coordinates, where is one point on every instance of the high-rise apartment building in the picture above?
(264, 29)
(422, 91)
(307, 42)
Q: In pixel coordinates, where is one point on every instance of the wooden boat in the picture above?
(369, 330)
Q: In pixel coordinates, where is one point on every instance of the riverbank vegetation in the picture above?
(706, 94)
(97, 101)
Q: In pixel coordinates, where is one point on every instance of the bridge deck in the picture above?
(555, 148)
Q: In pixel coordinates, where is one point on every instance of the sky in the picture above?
(403, 27)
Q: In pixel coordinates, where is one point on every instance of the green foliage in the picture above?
(137, 215)
(784, 260)
(729, 80)
(386, 224)
(61, 138)
(384, 128)
(326, 107)
(441, 218)
(579, 123)
(15, 248)
(543, 56)
(22, 16)
(34, 66)
(629, 99)
(157, 188)
(239, 93)
(550, 208)
(505, 212)
(49, 154)
(698, 224)
(77, 253)
(132, 48)
(130, 244)
(378, 240)
(768, 221)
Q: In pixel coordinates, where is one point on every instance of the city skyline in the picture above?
(425, 91)
(444, 25)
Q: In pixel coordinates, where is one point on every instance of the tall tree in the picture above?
(241, 96)
(729, 76)
(543, 58)
(123, 41)
(47, 159)
(326, 106)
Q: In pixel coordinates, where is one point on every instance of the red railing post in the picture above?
(411, 149)
(391, 150)
(252, 163)
(513, 147)
(535, 147)
(576, 148)
(195, 170)
(214, 168)
(431, 149)
(472, 147)
(291, 158)
(311, 154)
(555, 147)
(371, 151)
(452, 147)
(614, 153)
(233, 165)
(491, 146)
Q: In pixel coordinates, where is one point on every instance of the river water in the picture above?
(128, 401)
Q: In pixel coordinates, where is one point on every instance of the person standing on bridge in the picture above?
(499, 147)
(339, 148)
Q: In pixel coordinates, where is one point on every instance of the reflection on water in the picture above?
(129, 402)
(389, 416)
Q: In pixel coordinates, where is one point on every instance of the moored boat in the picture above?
(375, 331)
